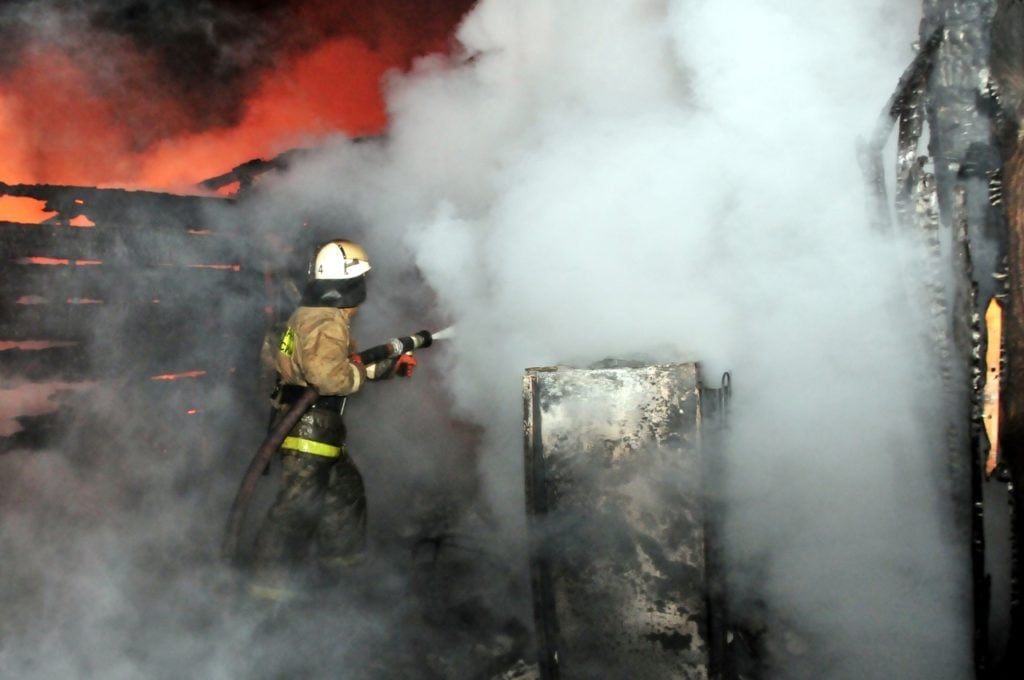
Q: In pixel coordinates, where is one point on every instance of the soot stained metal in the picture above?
(615, 475)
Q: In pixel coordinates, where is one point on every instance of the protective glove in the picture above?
(358, 362)
(405, 365)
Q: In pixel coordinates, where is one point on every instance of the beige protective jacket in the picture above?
(315, 351)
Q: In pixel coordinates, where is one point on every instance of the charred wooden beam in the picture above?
(139, 287)
(128, 207)
(37, 431)
(108, 242)
(967, 146)
(53, 362)
(246, 174)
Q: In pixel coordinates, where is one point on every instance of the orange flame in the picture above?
(118, 136)
(23, 209)
(46, 261)
(81, 221)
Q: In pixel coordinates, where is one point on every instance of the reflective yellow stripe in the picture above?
(310, 446)
(287, 345)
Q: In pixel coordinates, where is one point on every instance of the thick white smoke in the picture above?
(677, 180)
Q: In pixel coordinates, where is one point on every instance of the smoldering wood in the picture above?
(48, 322)
(131, 298)
(120, 206)
(175, 346)
(906, 108)
(55, 318)
(973, 105)
(1008, 73)
(1007, 60)
(141, 245)
(135, 286)
(45, 364)
(247, 173)
(170, 409)
(1013, 388)
(37, 432)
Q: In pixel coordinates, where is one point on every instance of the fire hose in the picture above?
(236, 516)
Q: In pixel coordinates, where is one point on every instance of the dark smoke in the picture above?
(207, 56)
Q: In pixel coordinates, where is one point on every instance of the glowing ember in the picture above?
(179, 376)
(81, 221)
(229, 189)
(231, 267)
(58, 261)
(47, 261)
(34, 345)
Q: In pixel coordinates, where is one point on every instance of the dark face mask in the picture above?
(335, 293)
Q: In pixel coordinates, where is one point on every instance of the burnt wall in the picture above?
(129, 290)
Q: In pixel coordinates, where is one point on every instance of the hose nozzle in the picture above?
(396, 347)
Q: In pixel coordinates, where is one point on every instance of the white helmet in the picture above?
(337, 275)
(339, 259)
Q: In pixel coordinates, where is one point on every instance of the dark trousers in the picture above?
(320, 509)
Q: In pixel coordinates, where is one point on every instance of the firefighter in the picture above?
(321, 505)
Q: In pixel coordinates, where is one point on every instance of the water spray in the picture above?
(391, 349)
(445, 334)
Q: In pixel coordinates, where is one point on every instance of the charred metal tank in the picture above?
(616, 480)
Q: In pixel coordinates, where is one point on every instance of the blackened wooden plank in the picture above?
(139, 247)
(178, 409)
(37, 431)
(61, 362)
(128, 207)
(61, 282)
(103, 234)
(47, 322)
(184, 322)
(78, 363)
